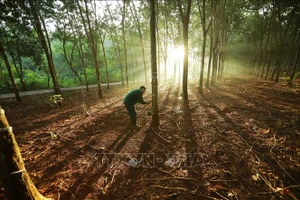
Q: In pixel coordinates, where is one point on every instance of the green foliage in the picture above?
(35, 80)
(5, 84)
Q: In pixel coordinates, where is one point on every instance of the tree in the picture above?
(116, 42)
(296, 63)
(202, 13)
(13, 175)
(92, 42)
(185, 19)
(77, 35)
(155, 119)
(138, 25)
(37, 18)
(102, 39)
(11, 75)
(123, 10)
(69, 59)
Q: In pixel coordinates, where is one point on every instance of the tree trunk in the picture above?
(116, 45)
(296, 63)
(155, 120)
(204, 32)
(70, 61)
(185, 21)
(105, 59)
(20, 73)
(45, 46)
(13, 175)
(83, 65)
(138, 25)
(210, 52)
(80, 52)
(18, 60)
(166, 48)
(124, 41)
(93, 45)
(10, 72)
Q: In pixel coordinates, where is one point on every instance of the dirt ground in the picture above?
(239, 140)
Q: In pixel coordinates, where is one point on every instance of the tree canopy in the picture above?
(53, 44)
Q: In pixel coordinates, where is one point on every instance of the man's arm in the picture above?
(141, 100)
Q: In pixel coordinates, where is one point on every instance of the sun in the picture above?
(174, 62)
(176, 52)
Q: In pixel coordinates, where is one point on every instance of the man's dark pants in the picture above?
(132, 114)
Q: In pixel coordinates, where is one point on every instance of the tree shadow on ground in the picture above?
(193, 163)
(252, 144)
(83, 145)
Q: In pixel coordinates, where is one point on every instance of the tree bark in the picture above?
(204, 32)
(138, 25)
(45, 46)
(92, 44)
(185, 18)
(155, 119)
(13, 175)
(124, 41)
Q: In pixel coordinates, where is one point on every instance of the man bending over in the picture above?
(133, 97)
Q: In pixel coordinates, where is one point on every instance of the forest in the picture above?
(222, 76)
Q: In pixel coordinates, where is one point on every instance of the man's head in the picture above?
(143, 88)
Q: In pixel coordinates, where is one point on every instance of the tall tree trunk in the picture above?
(155, 119)
(215, 46)
(261, 39)
(296, 63)
(265, 55)
(20, 73)
(210, 48)
(80, 52)
(83, 64)
(138, 25)
(105, 59)
(70, 61)
(18, 61)
(158, 43)
(10, 72)
(185, 18)
(124, 40)
(13, 175)
(93, 44)
(117, 51)
(116, 45)
(45, 46)
(166, 46)
(102, 39)
(204, 32)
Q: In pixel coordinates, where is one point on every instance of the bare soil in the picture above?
(239, 140)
